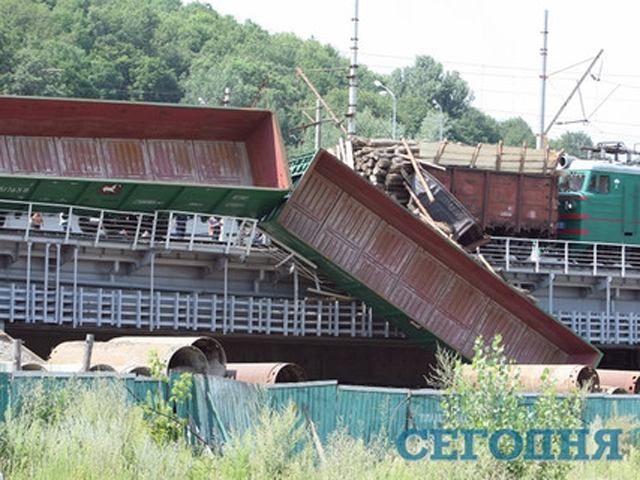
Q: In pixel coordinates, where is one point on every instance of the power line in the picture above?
(570, 67)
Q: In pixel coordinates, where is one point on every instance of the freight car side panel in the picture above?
(132, 156)
(505, 202)
(409, 272)
(539, 203)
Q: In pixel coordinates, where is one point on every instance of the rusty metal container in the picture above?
(505, 203)
(629, 380)
(266, 373)
(410, 273)
(141, 157)
(123, 358)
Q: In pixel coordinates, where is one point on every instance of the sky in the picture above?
(495, 45)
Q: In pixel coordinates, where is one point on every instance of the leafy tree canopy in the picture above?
(572, 143)
(167, 51)
(515, 132)
(473, 126)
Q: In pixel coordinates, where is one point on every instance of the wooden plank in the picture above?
(523, 156)
(486, 158)
(474, 157)
(418, 203)
(424, 161)
(440, 152)
(312, 87)
(498, 155)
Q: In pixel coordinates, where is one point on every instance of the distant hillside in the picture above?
(164, 51)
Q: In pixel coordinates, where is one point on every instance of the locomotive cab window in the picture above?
(599, 184)
(572, 182)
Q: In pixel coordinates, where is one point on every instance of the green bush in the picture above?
(165, 424)
(487, 395)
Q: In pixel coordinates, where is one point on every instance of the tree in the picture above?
(173, 51)
(474, 127)
(431, 125)
(153, 80)
(54, 69)
(515, 131)
(419, 85)
(572, 143)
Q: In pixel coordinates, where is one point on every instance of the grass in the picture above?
(90, 434)
(95, 433)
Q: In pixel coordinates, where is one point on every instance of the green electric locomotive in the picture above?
(599, 199)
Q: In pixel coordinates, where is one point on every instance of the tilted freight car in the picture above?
(141, 157)
(409, 272)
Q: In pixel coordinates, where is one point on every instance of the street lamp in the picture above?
(437, 105)
(385, 90)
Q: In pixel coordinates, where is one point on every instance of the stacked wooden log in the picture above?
(385, 163)
(396, 168)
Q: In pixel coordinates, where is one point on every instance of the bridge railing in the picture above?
(604, 329)
(161, 229)
(563, 257)
(83, 306)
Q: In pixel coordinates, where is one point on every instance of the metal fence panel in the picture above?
(371, 413)
(315, 401)
(611, 406)
(424, 409)
(221, 408)
(4, 394)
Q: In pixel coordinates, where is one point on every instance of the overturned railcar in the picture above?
(410, 273)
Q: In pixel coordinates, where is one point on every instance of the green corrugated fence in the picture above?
(316, 401)
(374, 413)
(220, 408)
(370, 413)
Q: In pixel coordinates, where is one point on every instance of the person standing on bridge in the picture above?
(37, 220)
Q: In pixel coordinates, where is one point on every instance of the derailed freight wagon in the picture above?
(410, 273)
(141, 157)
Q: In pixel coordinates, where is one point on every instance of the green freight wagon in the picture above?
(141, 157)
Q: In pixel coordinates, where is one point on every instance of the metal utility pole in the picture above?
(353, 77)
(318, 122)
(440, 118)
(543, 77)
(387, 91)
(573, 92)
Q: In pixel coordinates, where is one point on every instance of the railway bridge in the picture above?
(113, 272)
(172, 271)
